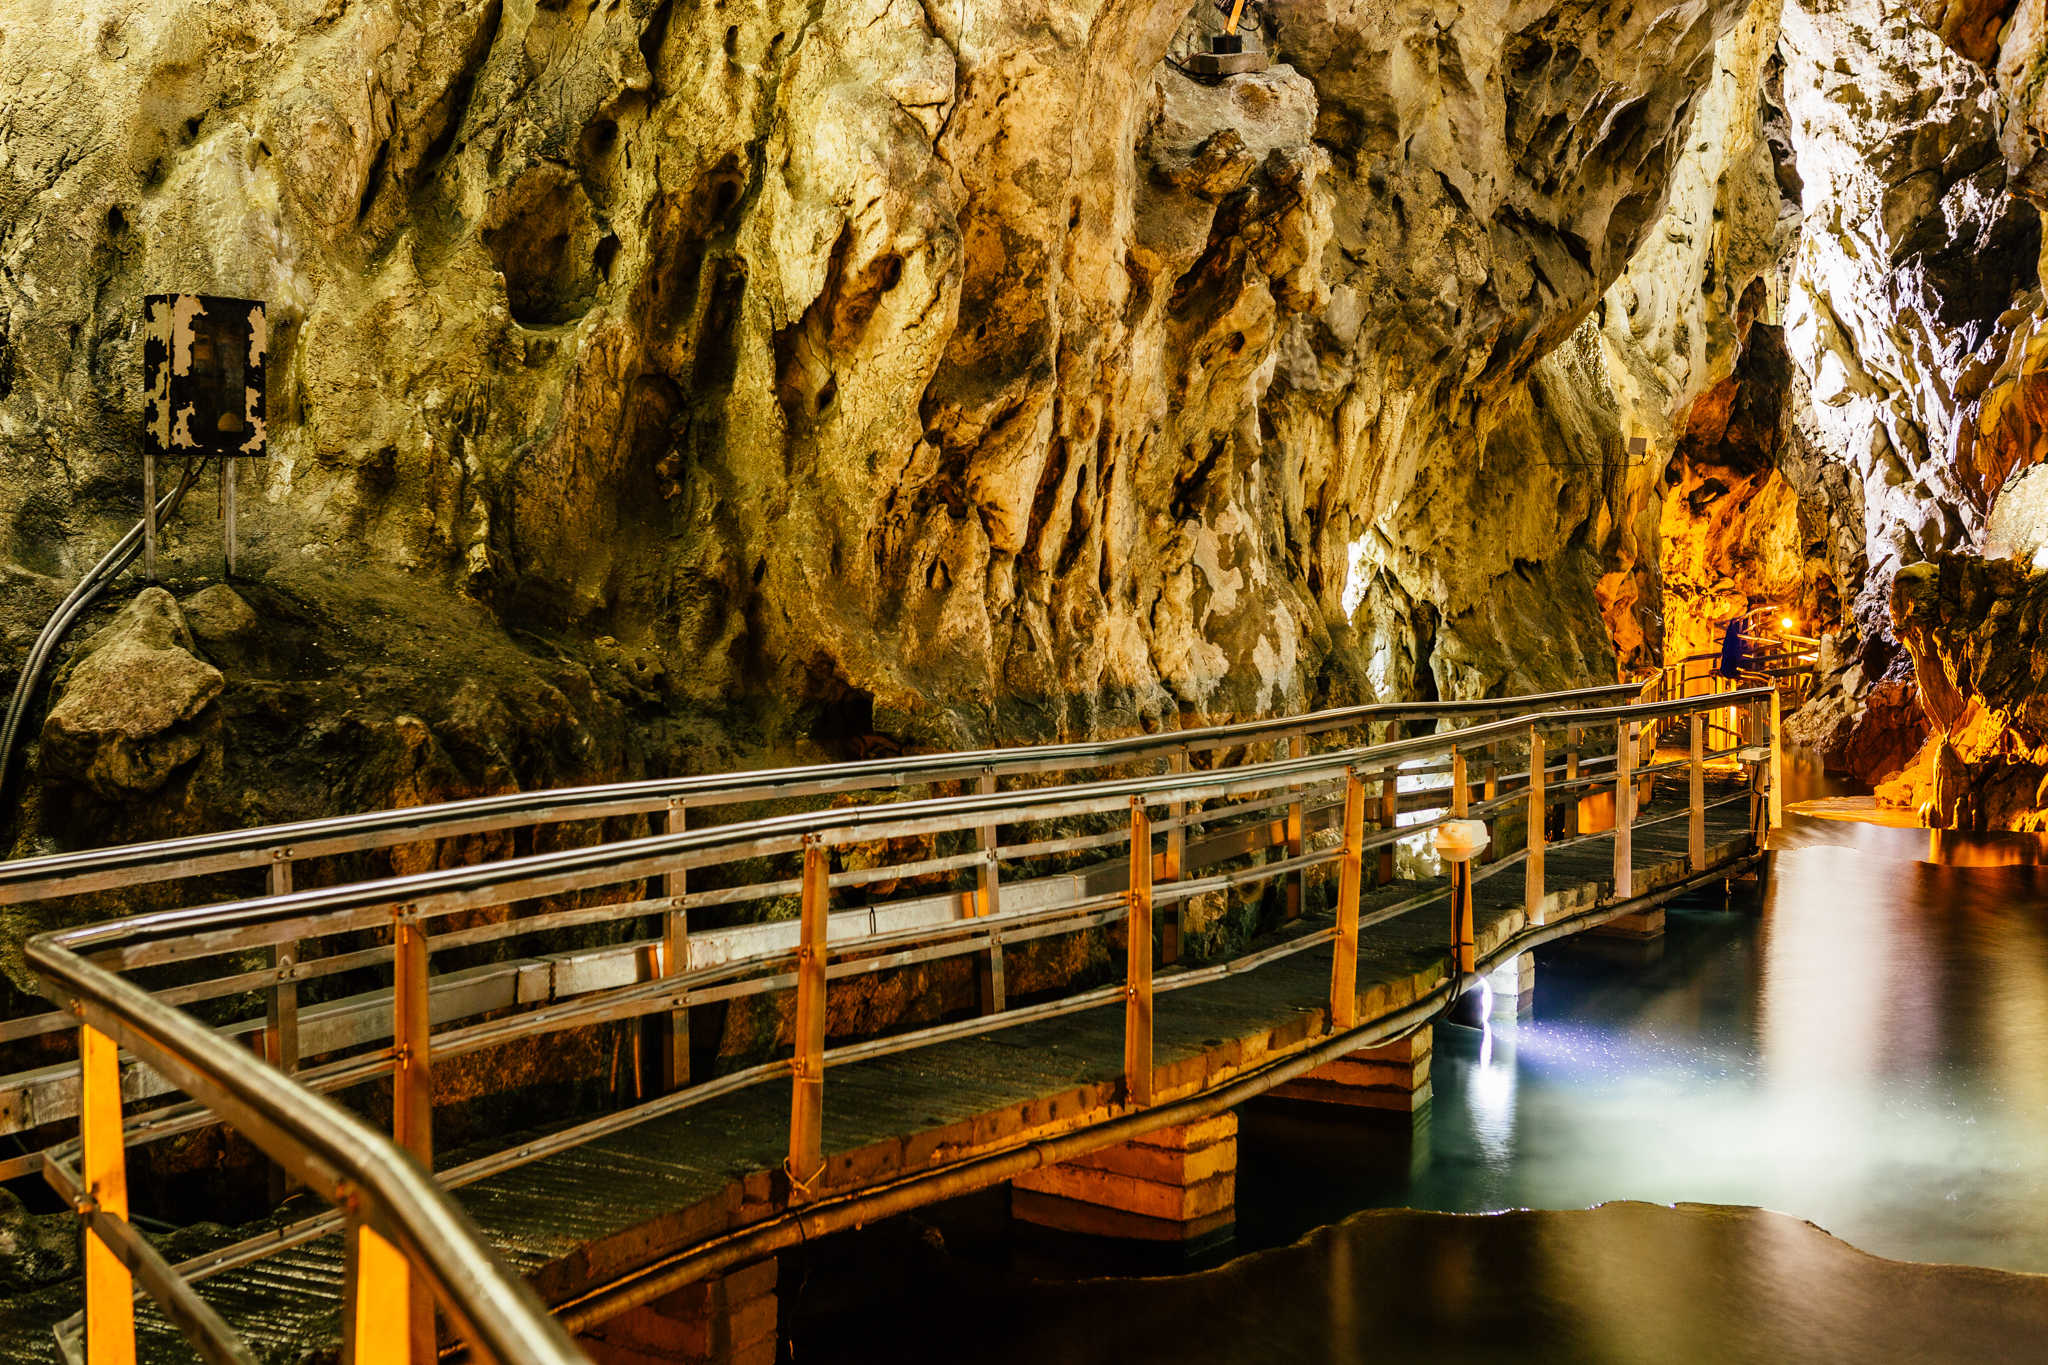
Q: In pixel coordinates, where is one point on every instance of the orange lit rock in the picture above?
(1974, 626)
(1734, 534)
(1969, 26)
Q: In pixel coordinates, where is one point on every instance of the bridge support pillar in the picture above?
(1394, 1078)
(728, 1319)
(1639, 924)
(1175, 1185)
(1514, 985)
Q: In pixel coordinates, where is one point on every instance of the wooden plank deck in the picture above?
(579, 1219)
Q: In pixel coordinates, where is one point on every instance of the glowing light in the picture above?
(1785, 622)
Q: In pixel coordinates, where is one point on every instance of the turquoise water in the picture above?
(1869, 1053)
(1860, 1044)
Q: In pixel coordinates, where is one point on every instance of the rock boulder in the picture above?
(132, 710)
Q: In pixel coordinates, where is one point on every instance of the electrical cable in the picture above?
(81, 596)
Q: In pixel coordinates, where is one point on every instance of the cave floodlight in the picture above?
(202, 380)
(1233, 52)
(1460, 841)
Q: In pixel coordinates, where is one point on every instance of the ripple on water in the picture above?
(1622, 1282)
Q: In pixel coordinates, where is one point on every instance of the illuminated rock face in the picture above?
(880, 372)
(1911, 257)
(1974, 626)
(959, 371)
(1902, 275)
(1736, 535)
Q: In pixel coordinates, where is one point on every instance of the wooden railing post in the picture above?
(1646, 757)
(109, 1289)
(377, 1286)
(673, 1051)
(412, 1099)
(281, 1005)
(1571, 774)
(1138, 962)
(1173, 865)
(1538, 820)
(1297, 880)
(1390, 819)
(281, 1008)
(1463, 953)
(1696, 816)
(1624, 809)
(806, 1160)
(1350, 883)
(988, 901)
(1489, 789)
(1777, 773)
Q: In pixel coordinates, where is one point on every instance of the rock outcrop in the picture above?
(969, 369)
(135, 706)
(879, 373)
(1974, 627)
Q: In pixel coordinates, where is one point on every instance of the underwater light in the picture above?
(1472, 1006)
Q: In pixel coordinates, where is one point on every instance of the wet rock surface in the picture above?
(973, 370)
(35, 1248)
(1974, 627)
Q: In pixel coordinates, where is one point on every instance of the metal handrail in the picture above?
(330, 1150)
(337, 909)
(279, 847)
(387, 1193)
(163, 860)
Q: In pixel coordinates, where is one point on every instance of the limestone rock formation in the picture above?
(949, 372)
(1974, 626)
(1912, 259)
(879, 373)
(135, 707)
(2017, 527)
(219, 618)
(1671, 332)
(35, 1248)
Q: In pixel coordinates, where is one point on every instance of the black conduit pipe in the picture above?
(82, 596)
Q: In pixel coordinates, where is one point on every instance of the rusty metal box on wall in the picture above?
(202, 373)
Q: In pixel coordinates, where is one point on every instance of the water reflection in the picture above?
(1863, 1044)
(1626, 1282)
(1912, 843)
(1827, 809)
(1867, 1054)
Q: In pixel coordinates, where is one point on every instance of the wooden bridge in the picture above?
(955, 1000)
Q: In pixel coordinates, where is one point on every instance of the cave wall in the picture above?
(1865, 196)
(940, 372)
(1913, 266)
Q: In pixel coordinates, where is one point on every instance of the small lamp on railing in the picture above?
(1458, 842)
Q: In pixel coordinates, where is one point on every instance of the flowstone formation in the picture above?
(848, 374)
(1972, 625)
(1914, 264)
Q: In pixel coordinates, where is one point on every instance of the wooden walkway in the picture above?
(580, 1219)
